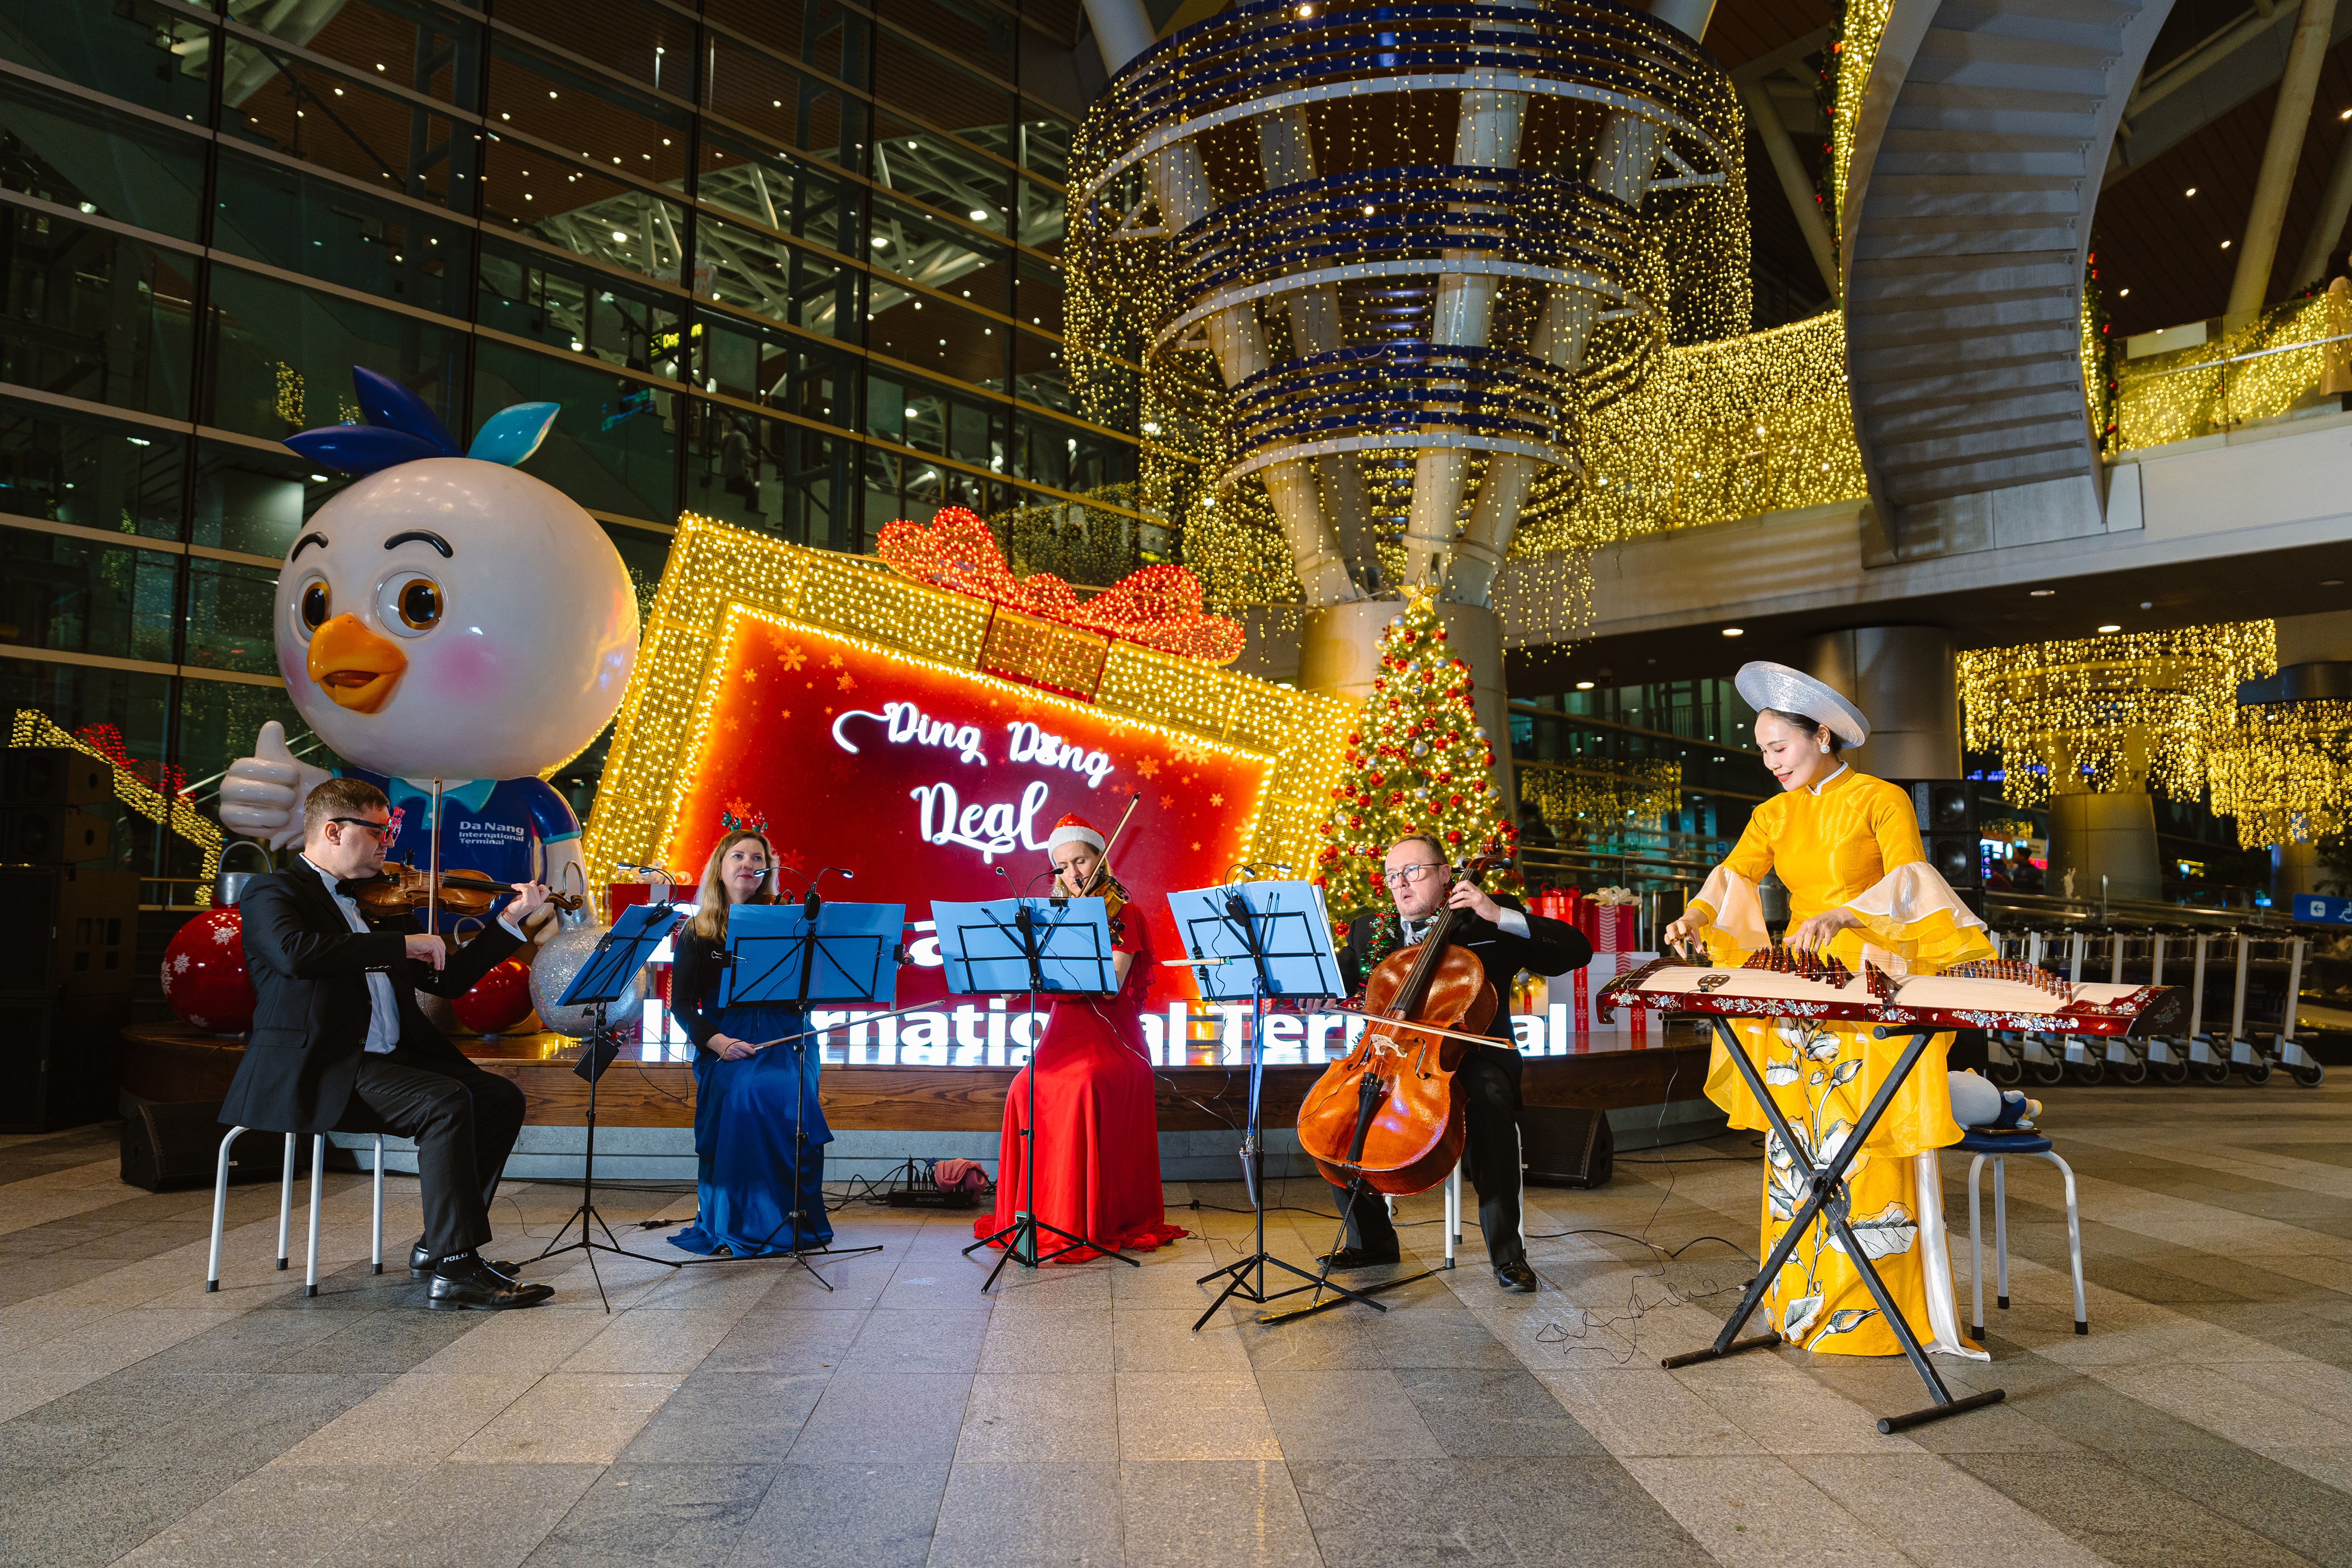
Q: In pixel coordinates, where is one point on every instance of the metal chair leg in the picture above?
(1999, 1236)
(220, 1208)
(1453, 1214)
(285, 1202)
(2074, 1242)
(318, 1171)
(1976, 1239)
(375, 1244)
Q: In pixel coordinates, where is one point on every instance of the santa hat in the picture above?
(1073, 829)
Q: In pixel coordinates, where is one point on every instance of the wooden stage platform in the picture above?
(174, 1062)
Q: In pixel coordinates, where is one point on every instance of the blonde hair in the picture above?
(709, 921)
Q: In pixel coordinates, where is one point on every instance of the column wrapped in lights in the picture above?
(2113, 714)
(1378, 262)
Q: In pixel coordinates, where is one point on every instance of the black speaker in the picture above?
(167, 1146)
(51, 835)
(59, 1060)
(53, 775)
(1561, 1146)
(67, 930)
(1946, 811)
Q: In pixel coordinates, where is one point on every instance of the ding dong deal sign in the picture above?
(928, 783)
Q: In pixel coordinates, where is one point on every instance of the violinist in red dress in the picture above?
(1097, 1154)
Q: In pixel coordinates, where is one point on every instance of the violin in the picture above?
(400, 889)
(1101, 884)
(1385, 1114)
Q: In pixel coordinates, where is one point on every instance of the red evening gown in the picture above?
(1098, 1132)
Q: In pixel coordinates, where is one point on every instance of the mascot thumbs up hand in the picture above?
(262, 795)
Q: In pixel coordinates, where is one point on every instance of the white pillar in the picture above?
(1905, 679)
(1628, 156)
(2280, 154)
(1340, 653)
(1765, 115)
(2335, 212)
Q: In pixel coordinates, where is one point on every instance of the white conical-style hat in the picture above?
(1767, 684)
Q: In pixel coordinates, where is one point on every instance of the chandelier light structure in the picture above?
(2285, 772)
(2115, 713)
(1376, 263)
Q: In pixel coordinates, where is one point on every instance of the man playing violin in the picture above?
(339, 1045)
(1504, 939)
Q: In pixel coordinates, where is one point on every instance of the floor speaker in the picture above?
(1564, 1146)
(168, 1147)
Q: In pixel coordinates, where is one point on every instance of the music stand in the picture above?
(603, 979)
(1250, 942)
(795, 954)
(1007, 946)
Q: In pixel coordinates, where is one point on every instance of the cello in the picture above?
(1385, 1113)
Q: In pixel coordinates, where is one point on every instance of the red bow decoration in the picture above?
(1159, 606)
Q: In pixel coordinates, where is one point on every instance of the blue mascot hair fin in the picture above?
(513, 433)
(361, 448)
(388, 404)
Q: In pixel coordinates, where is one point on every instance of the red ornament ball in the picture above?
(500, 999)
(203, 973)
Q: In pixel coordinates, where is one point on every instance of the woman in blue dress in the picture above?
(752, 1106)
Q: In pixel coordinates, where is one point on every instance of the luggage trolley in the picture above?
(2169, 1056)
(2282, 955)
(2123, 1056)
(2209, 1061)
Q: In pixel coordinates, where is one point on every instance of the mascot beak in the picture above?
(354, 665)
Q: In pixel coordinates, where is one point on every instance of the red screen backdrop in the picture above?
(924, 779)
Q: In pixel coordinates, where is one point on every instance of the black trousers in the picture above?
(465, 1121)
(1488, 1084)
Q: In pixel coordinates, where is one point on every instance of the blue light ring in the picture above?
(1161, 140)
(1589, 283)
(1553, 457)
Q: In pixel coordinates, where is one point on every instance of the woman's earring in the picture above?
(1825, 746)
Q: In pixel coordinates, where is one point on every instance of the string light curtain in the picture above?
(2285, 772)
(1638, 792)
(2113, 714)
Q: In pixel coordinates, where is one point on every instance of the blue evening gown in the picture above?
(746, 1115)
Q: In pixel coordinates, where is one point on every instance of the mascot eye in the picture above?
(316, 603)
(411, 604)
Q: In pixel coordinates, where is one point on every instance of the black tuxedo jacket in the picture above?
(1549, 947)
(311, 1005)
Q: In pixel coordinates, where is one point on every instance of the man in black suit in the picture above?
(1504, 939)
(338, 1043)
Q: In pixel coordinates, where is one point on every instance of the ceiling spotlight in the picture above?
(1584, 685)
(2041, 593)
(2191, 192)
(2123, 294)
(2331, 583)
(2110, 626)
(2225, 244)
(1735, 631)
(2346, 114)
(620, 236)
(878, 243)
(2147, 604)
(979, 215)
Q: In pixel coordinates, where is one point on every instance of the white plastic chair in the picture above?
(286, 1208)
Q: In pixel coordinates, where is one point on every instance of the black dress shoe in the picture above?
(1516, 1276)
(1355, 1258)
(420, 1263)
(476, 1287)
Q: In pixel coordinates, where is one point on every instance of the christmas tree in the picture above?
(1418, 762)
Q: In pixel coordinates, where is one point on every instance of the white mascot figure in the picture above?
(446, 618)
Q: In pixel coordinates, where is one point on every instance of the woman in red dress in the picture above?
(1099, 1133)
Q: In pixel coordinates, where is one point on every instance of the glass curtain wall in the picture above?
(789, 264)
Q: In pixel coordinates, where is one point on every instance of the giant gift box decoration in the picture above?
(894, 728)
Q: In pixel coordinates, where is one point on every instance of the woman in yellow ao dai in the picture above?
(1848, 848)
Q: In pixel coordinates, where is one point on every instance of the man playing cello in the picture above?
(1504, 939)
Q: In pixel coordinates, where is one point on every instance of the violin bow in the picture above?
(1102, 867)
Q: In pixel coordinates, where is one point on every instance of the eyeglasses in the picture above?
(375, 831)
(1406, 876)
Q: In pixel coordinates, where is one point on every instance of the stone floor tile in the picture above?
(569, 1419)
(1033, 1417)
(418, 1418)
(896, 1341)
(879, 1514)
(1192, 1415)
(1325, 1415)
(1234, 1513)
(1048, 1339)
(728, 1418)
(789, 1340)
(879, 1417)
(657, 1515)
(1009, 1515)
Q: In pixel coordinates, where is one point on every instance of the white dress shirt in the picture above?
(384, 1007)
(1505, 919)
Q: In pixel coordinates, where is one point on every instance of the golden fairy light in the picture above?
(2112, 713)
(2284, 771)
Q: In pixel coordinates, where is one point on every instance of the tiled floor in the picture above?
(740, 1414)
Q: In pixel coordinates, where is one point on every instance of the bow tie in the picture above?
(351, 890)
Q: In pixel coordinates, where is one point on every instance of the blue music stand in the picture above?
(1006, 947)
(791, 955)
(602, 979)
(1255, 940)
